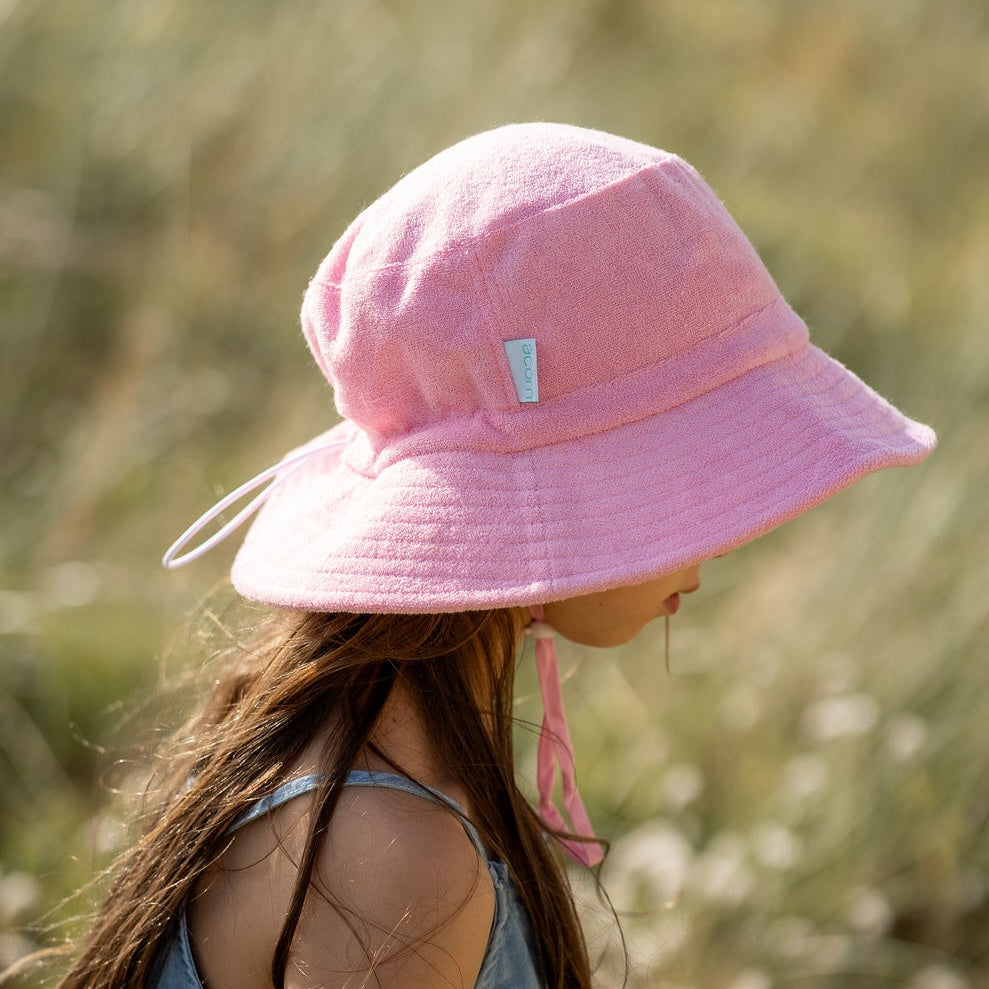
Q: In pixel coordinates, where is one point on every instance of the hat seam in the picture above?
(467, 243)
(408, 447)
(543, 540)
(494, 316)
(830, 384)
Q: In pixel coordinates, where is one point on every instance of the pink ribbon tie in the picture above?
(556, 749)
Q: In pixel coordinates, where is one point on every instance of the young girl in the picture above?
(565, 381)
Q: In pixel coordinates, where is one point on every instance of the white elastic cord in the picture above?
(278, 472)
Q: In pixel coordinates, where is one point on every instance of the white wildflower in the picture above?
(741, 707)
(906, 735)
(20, 892)
(803, 776)
(834, 717)
(105, 833)
(775, 846)
(72, 584)
(13, 947)
(18, 613)
(654, 859)
(655, 940)
(938, 977)
(869, 912)
(751, 978)
(682, 785)
(721, 873)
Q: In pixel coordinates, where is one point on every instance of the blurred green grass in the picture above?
(805, 800)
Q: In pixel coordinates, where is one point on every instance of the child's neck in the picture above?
(402, 738)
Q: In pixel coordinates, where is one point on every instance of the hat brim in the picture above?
(455, 530)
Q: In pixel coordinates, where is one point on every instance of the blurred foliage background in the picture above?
(804, 802)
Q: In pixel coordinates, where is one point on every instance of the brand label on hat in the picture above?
(521, 356)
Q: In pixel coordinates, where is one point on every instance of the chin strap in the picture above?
(556, 749)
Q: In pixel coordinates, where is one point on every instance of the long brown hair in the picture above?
(306, 672)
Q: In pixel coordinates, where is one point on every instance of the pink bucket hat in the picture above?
(562, 368)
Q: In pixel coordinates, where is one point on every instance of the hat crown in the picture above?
(614, 256)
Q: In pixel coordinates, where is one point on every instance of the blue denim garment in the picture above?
(510, 959)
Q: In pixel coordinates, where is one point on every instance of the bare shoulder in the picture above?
(400, 892)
